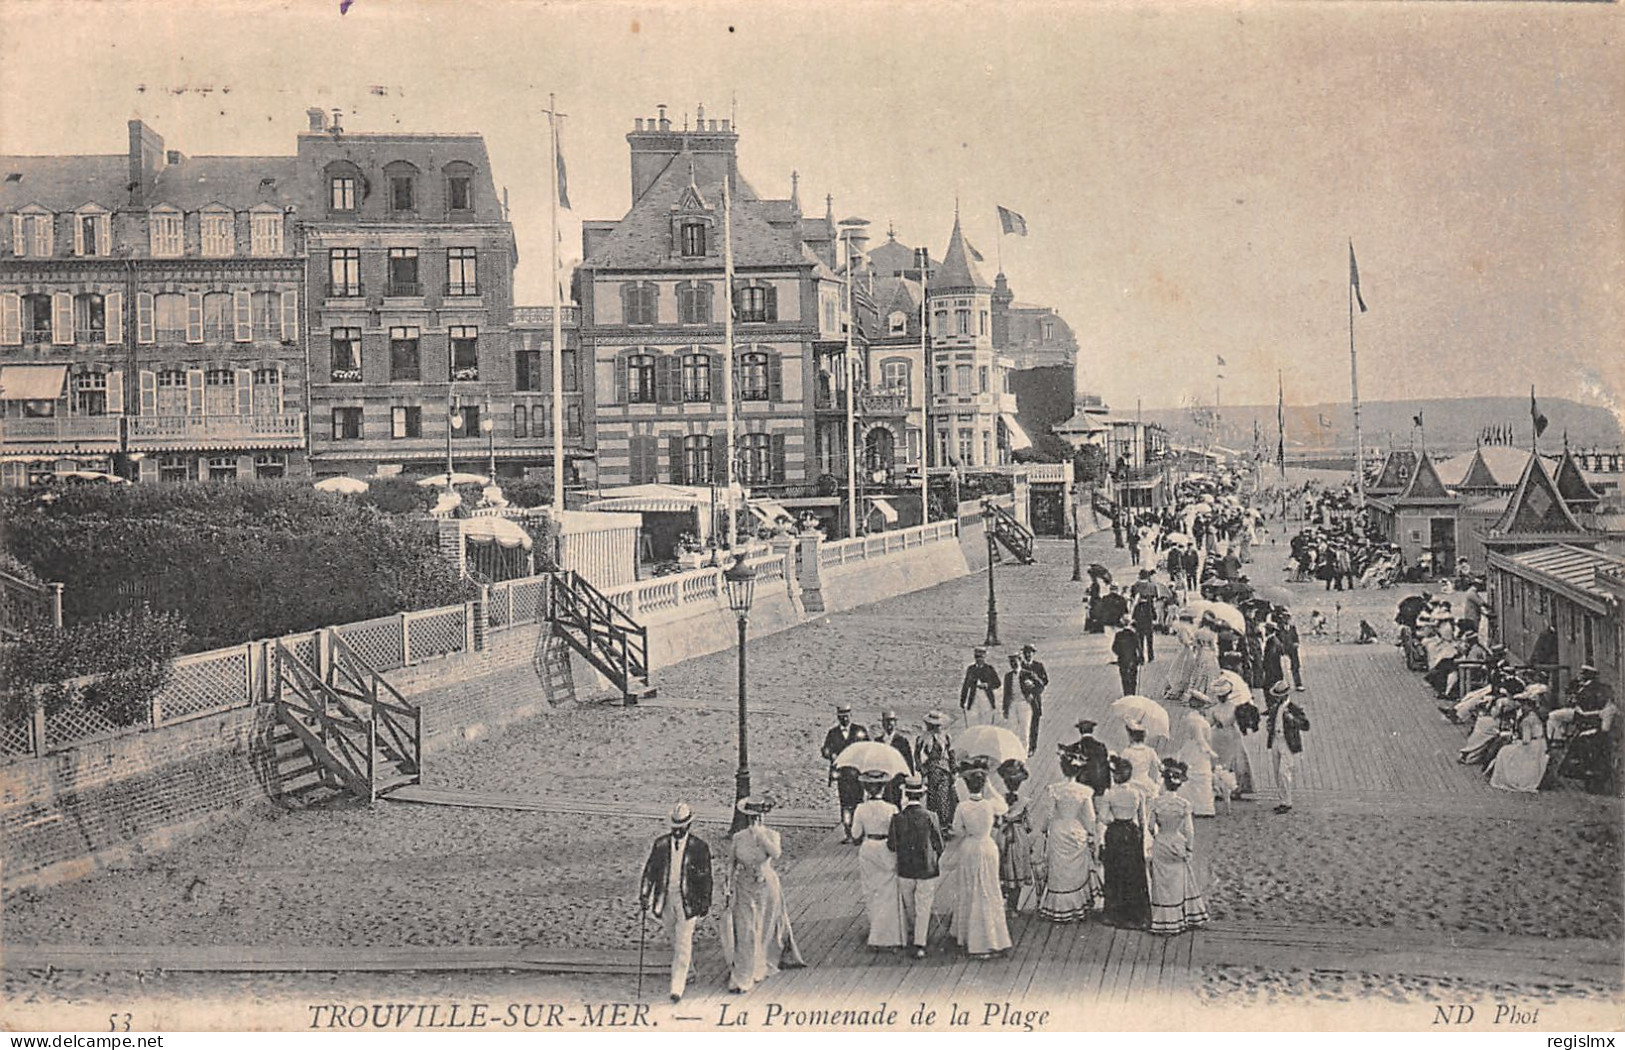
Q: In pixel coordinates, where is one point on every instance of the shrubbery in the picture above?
(113, 666)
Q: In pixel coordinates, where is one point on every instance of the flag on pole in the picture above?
(974, 254)
(1417, 419)
(1012, 221)
(1354, 278)
(1220, 360)
(1324, 422)
(1280, 421)
(1534, 413)
(558, 159)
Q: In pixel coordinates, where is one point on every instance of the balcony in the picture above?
(61, 432)
(543, 315)
(345, 375)
(403, 290)
(883, 403)
(344, 291)
(164, 433)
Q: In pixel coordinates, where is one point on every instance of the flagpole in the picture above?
(728, 351)
(1280, 422)
(1354, 399)
(558, 316)
(923, 257)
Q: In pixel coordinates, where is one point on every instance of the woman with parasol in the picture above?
(877, 865)
(979, 923)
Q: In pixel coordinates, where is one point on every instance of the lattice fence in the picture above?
(206, 682)
(378, 642)
(434, 633)
(73, 724)
(529, 599)
(497, 613)
(16, 737)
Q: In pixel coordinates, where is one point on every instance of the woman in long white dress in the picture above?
(758, 939)
(1228, 742)
(979, 924)
(1198, 756)
(877, 865)
(1521, 765)
(1066, 817)
(1177, 903)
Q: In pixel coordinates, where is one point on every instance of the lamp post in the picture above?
(992, 598)
(488, 423)
(851, 229)
(1077, 543)
(454, 422)
(741, 581)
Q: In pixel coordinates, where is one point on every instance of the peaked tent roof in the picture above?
(1571, 483)
(1479, 475)
(1396, 471)
(1536, 507)
(1425, 485)
(959, 272)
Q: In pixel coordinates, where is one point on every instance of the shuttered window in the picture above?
(217, 234)
(167, 234)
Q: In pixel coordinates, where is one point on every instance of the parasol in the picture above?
(1143, 712)
(1178, 537)
(342, 485)
(1228, 615)
(1099, 570)
(1276, 595)
(458, 478)
(1203, 508)
(995, 742)
(867, 755)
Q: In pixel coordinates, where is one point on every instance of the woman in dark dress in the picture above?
(1122, 814)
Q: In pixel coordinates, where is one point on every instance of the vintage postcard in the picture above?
(991, 518)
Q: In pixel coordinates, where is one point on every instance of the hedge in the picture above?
(114, 665)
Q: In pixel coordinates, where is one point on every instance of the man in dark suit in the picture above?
(847, 788)
(890, 734)
(1126, 647)
(1288, 723)
(676, 887)
(1094, 757)
(1034, 680)
(916, 838)
(981, 680)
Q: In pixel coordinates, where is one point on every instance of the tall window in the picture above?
(963, 378)
(89, 318)
(465, 354)
(939, 323)
(462, 272)
(640, 379)
(1049, 331)
(169, 312)
(894, 376)
(174, 469)
(265, 234)
(967, 447)
(697, 457)
(459, 193)
(987, 449)
(267, 391)
(755, 459)
(217, 317)
(347, 424)
(344, 273)
(171, 399)
(405, 421)
(219, 392)
(571, 380)
(346, 355)
(265, 310)
(693, 239)
(343, 189)
(36, 318)
(694, 303)
(37, 236)
(981, 379)
(93, 234)
(572, 421)
(217, 234)
(527, 369)
(402, 193)
(697, 377)
(167, 237)
(981, 323)
(90, 393)
(404, 364)
(222, 468)
(753, 376)
(943, 384)
(962, 322)
(640, 303)
(403, 271)
(757, 303)
(521, 421)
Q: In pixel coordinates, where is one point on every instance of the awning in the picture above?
(770, 512)
(490, 528)
(33, 382)
(885, 508)
(1018, 436)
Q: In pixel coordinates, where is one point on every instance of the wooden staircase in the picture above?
(552, 663)
(1011, 534)
(605, 636)
(360, 735)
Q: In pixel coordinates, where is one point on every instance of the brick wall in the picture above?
(464, 696)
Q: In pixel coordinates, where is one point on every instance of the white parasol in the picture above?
(342, 485)
(1144, 712)
(868, 755)
(1228, 615)
(995, 742)
(458, 478)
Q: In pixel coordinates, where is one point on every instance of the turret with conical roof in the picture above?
(958, 272)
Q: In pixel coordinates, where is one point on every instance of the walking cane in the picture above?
(643, 922)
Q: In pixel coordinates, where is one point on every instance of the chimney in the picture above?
(334, 127)
(173, 156)
(317, 118)
(665, 125)
(146, 159)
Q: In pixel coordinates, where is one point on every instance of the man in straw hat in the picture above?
(935, 763)
(1288, 723)
(847, 789)
(893, 737)
(981, 681)
(676, 887)
(1093, 757)
(916, 837)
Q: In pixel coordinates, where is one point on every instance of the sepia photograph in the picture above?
(954, 517)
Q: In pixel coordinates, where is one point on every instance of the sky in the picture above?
(1191, 174)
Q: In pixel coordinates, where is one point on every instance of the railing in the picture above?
(158, 431)
(398, 725)
(86, 336)
(344, 291)
(882, 404)
(59, 428)
(1046, 473)
(403, 289)
(862, 548)
(342, 740)
(543, 315)
(601, 631)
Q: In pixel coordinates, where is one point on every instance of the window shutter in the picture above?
(115, 393)
(113, 317)
(149, 469)
(149, 393)
(194, 317)
(243, 314)
(717, 375)
(143, 317)
(49, 222)
(78, 236)
(245, 392)
(194, 392)
(290, 316)
(19, 246)
(11, 319)
(775, 376)
(719, 459)
(279, 388)
(621, 383)
(104, 235)
(771, 302)
(663, 378)
(674, 459)
(776, 444)
(62, 318)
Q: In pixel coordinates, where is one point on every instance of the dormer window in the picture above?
(217, 233)
(265, 232)
(32, 233)
(693, 240)
(343, 193)
(91, 233)
(402, 181)
(459, 187)
(167, 236)
(897, 323)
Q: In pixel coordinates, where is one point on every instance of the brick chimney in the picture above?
(146, 161)
(654, 144)
(317, 118)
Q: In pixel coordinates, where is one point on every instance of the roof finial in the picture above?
(891, 230)
(829, 208)
(795, 190)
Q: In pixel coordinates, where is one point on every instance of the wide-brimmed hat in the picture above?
(1223, 687)
(1175, 771)
(914, 787)
(1029, 648)
(935, 718)
(1280, 688)
(1086, 725)
(890, 713)
(843, 708)
(681, 815)
(874, 776)
(754, 805)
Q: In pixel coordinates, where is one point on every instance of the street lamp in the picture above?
(992, 554)
(454, 423)
(1077, 543)
(488, 423)
(741, 582)
(851, 229)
